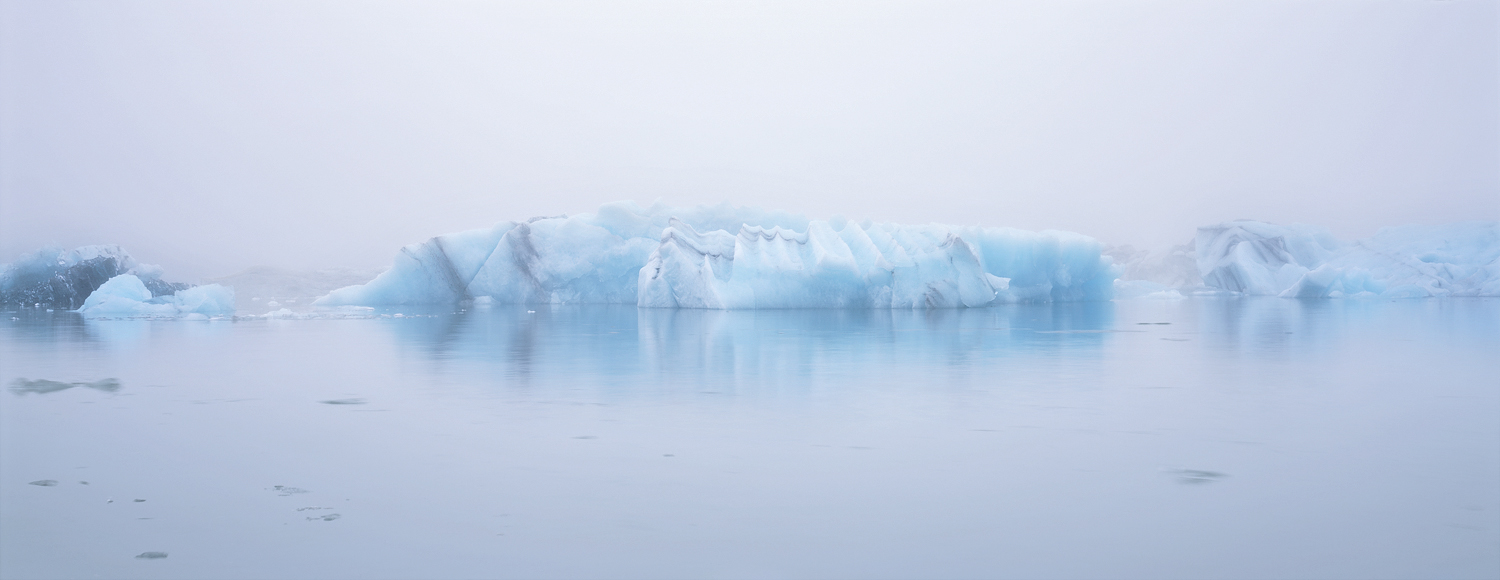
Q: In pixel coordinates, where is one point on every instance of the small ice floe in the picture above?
(326, 518)
(1196, 476)
(343, 402)
(283, 490)
(43, 386)
(44, 482)
(303, 509)
(151, 555)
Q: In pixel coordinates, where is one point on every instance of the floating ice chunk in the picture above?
(208, 300)
(727, 257)
(126, 295)
(21, 386)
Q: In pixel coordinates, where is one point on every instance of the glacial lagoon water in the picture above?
(1200, 438)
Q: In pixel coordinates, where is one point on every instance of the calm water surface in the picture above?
(1205, 438)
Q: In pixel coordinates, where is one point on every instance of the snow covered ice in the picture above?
(1303, 261)
(723, 257)
(125, 295)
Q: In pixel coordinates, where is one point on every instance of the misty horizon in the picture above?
(210, 138)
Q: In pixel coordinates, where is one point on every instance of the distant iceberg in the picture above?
(127, 296)
(1302, 261)
(725, 257)
(260, 287)
(63, 279)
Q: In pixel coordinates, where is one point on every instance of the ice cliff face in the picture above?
(1301, 261)
(63, 279)
(726, 257)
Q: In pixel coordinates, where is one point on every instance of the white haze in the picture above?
(212, 136)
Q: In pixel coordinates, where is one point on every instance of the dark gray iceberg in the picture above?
(63, 279)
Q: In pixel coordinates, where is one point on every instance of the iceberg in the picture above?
(63, 279)
(725, 257)
(1302, 261)
(127, 296)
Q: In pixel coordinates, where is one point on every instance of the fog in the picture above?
(209, 137)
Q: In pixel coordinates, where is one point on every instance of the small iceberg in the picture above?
(126, 296)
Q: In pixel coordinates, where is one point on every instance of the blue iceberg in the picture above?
(726, 257)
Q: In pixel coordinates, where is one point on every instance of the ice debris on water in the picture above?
(283, 490)
(339, 313)
(1196, 476)
(724, 257)
(326, 518)
(126, 296)
(22, 386)
(152, 555)
(44, 482)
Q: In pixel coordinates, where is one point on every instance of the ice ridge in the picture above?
(729, 257)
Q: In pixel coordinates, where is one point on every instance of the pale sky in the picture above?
(212, 136)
